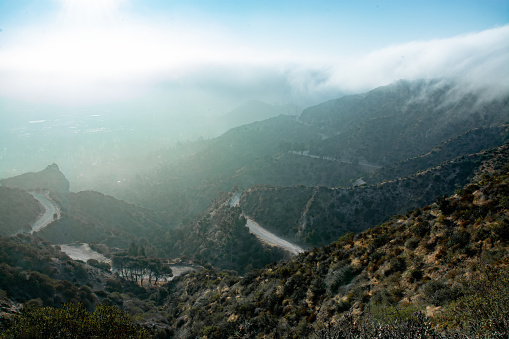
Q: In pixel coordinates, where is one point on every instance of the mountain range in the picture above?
(398, 194)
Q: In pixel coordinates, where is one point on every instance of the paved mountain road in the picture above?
(261, 233)
(271, 238)
(48, 216)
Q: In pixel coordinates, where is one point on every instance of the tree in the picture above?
(133, 249)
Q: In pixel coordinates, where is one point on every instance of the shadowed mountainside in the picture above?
(90, 216)
(18, 210)
(401, 120)
(316, 216)
(447, 260)
(330, 144)
(49, 178)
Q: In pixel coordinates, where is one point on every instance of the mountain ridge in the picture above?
(50, 178)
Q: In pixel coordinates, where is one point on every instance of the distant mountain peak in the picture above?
(50, 178)
(53, 166)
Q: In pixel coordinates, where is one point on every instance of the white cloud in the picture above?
(94, 53)
(479, 59)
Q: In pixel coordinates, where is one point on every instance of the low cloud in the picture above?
(478, 60)
(87, 65)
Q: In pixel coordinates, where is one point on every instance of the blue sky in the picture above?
(77, 52)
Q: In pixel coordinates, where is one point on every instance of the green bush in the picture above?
(412, 243)
(439, 293)
(484, 307)
(421, 228)
(339, 277)
(99, 264)
(73, 321)
(397, 264)
(459, 239)
(500, 229)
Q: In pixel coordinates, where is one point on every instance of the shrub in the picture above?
(73, 321)
(444, 204)
(98, 264)
(338, 278)
(412, 243)
(439, 293)
(500, 229)
(397, 264)
(484, 307)
(459, 239)
(421, 228)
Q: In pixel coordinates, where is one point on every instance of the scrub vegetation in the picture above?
(399, 195)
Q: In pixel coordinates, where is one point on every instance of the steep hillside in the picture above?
(49, 178)
(41, 277)
(34, 269)
(316, 216)
(86, 216)
(188, 186)
(94, 217)
(447, 261)
(401, 120)
(331, 144)
(220, 238)
(472, 141)
(18, 210)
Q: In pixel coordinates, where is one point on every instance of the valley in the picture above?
(394, 199)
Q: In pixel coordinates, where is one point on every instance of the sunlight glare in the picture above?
(77, 12)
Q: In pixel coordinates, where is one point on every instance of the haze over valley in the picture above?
(292, 169)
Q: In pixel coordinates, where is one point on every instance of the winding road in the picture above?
(361, 162)
(48, 216)
(271, 239)
(262, 234)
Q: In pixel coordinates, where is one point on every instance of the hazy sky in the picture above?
(216, 54)
(84, 81)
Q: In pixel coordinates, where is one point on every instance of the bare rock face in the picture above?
(49, 178)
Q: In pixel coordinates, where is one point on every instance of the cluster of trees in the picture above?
(135, 266)
(32, 270)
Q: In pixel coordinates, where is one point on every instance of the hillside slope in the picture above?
(18, 210)
(316, 216)
(49, 178)
(447, 261)
(220, 238)
(90, 216)
(436, 260)
(472, 141)
(400, 120)
(331, 144)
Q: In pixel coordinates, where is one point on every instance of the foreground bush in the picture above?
(73, 321)
(414, 327)
(484, 308)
